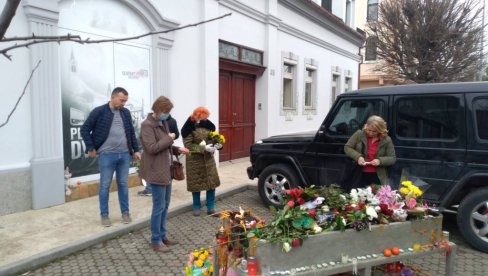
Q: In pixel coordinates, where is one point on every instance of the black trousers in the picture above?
(368, 178)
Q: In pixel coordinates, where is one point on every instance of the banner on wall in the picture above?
(88, 75)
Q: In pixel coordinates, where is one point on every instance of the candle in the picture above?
(252, 266)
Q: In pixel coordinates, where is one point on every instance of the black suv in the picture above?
(440, 133)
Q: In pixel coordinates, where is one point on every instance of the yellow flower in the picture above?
(195, 254)
(404, 191)
(199, 263)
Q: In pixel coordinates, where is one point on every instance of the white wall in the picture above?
(15, 137)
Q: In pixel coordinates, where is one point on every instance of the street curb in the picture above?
(46, 257)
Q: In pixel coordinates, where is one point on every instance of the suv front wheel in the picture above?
(472, 219)
(273, 180)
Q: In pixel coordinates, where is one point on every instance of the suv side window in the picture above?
(351, 115)
(428, 118)
(480, 107)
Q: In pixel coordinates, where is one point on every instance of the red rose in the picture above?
(311, 212)
(349, 208)
(301, 201)
(291, 203)
(295, 242)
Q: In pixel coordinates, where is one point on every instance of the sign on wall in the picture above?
(88, 75)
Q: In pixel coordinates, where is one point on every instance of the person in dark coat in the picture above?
(157, 142)
(108, 132)
(201, 170)
(173, 128)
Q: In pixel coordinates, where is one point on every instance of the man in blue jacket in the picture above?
(108, 132)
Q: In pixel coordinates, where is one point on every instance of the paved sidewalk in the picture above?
(32, 238)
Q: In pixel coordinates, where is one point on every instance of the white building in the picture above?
(271, 67)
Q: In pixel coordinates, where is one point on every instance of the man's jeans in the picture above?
(108, 163)
(161, 196)
(210, 200)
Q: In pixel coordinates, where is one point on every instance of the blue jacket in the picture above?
(96, 128)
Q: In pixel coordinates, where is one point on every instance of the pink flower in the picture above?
(411, 203)
(291, 203)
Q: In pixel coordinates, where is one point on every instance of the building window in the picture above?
(335, 87)
(371, 48)
(327, 4)
(347, 84)
(236, 52)
(309, 94)
(349, 13)
(480, 107)
(289, 68)
(438, 118)
(372, 10)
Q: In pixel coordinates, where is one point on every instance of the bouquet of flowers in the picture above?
(199, 263)
(312, 210)
(216, 138)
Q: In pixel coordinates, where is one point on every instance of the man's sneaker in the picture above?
(126, 218)
(144, 193)
(106, 221)
(196, 212)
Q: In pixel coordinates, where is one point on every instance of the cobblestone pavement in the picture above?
(131, 254)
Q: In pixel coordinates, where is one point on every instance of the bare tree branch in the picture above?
(70, 38)
(7, 14)
(18, 38)
(429, 40)
(21, 95)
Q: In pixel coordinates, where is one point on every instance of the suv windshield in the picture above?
(352, 115)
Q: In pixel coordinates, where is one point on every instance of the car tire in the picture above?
(472, 219)
(273, 180)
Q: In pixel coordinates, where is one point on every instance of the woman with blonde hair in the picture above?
(372, 148)
(201, 170)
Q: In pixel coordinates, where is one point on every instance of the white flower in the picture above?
(317, 229)
(325, 208)
(371, 213)
(202, 143)
(286, 247)
(319, 200)
(313, 204)
(343, 197)
(354, 195)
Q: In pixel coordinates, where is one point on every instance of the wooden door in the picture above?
(236, 113)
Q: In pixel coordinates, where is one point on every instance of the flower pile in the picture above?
(199, 263)
(216, 138)
(311, 210)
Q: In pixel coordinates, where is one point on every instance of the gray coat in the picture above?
(201, 170)
(158, 149)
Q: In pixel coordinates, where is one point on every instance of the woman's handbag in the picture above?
(177, 170)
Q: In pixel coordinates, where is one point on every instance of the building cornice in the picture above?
(317, 41)
(327, 20)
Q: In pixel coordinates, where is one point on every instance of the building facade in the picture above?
(270, 67)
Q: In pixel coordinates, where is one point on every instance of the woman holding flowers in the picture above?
(372, 148)
(157, 142)
(201, 170)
